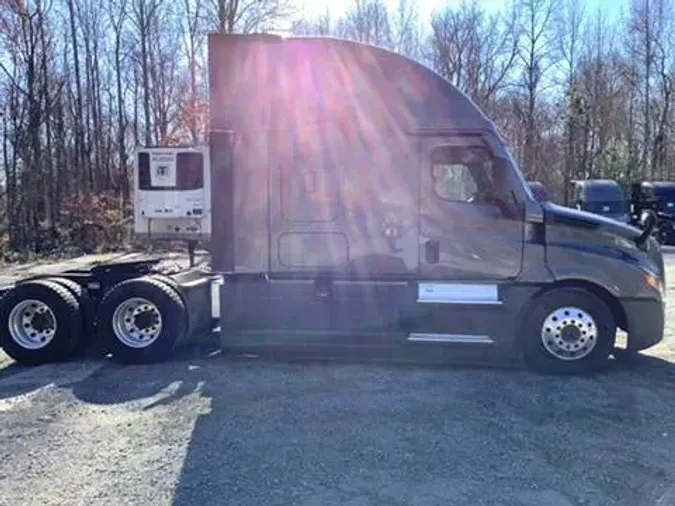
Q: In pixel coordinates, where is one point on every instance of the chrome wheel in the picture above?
(137, 322)
(32, 324)
(569, 333)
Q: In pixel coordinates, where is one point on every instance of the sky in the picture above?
(426, 7)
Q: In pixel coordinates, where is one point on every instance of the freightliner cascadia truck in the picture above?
(358, 203)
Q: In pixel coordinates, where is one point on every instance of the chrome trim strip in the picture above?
(366, 282)
(449, 338)
(465, 302)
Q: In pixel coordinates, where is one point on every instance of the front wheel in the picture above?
(568, 331)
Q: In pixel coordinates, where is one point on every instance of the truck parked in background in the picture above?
(539, 191)
(657, 196)
(358, 203)
(600, 196)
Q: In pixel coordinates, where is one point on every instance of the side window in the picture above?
(454, 182)
(460, 173)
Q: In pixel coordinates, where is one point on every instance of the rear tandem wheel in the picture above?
(87, 312)
(40, 322)
(141, 320)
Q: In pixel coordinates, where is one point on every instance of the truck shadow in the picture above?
(17, 380)
(94, 365)
(282, 431)
(175, 378)
(11, 384)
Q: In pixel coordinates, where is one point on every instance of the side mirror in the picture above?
(647, 223)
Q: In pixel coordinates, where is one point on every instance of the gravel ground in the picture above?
(204, 429)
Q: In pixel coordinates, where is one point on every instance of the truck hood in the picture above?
(556, 214)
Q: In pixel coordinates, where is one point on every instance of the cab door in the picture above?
(470, 243)
(471, 228)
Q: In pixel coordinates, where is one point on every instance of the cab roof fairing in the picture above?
(295, 81)
(661, 184)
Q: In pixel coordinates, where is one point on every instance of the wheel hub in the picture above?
(137, 322)
(569, 333)
(146, 319)
(32, 324)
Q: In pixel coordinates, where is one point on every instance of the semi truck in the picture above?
(354, 201)
(539, 190)
(659, 197)
(600, 196)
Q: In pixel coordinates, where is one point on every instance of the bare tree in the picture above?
(367, 21)
(117, 16)
(664, 67)
(642, 29)
(455, 45)
(320, 25)
(569, 44)
(193, 44)
(473, 51)
(536, 57)
(145, 13)
(405, 29)
(245, 16)
(79, 107)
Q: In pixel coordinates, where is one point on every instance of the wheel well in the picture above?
(597, 290)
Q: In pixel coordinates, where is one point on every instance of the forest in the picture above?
(575, 93)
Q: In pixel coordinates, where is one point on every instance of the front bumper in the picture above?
(645, 319)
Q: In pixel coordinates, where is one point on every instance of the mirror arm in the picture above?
(648, 221)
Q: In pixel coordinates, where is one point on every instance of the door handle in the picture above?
(432, 251)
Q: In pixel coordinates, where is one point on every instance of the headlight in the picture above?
(656, 282)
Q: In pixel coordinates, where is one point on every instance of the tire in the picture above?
(662, 237)
(586, 340)
(134, 341)
(86, 310)
(167, 280)
(173, 284)
(61, 312)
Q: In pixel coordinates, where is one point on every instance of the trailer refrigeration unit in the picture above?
(172, 193)
(361, 203)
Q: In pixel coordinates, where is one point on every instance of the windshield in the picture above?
(668, 206)
(606, 207)
(666, 200)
